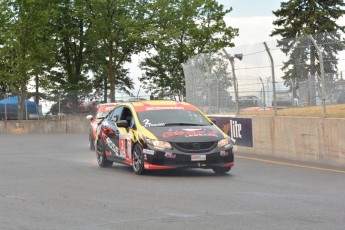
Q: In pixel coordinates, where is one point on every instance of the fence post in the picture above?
(231, 59)
(5, 112)
(319, 52)
(273, 79)
(263, 92)
(26, 109)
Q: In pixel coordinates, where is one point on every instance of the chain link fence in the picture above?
(278, 74)
(57, 104)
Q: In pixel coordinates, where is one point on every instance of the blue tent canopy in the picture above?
(14, 101)
(11, 109)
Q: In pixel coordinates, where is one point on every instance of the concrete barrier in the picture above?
(301, 139)
(68, 124)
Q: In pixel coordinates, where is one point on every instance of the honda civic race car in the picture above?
(102, 112)
(151, 135)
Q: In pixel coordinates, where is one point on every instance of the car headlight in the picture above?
(224, 142)
(159, 144)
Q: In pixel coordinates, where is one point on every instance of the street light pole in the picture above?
(232, 61)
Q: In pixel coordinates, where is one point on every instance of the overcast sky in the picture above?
(252, 18)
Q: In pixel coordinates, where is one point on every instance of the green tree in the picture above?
(73, 46)
(119, 28)
(181, 29)
(295, 20)
(22, 44)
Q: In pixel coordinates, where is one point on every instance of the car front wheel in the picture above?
(138, 160)
(221, 170)
(101, 158)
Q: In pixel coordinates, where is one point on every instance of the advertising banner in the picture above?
(239, 129)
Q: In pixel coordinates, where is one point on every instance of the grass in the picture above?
(333, 111)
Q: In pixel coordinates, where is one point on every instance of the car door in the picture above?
(126, 135)
(112, 133)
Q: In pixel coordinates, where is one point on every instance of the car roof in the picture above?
(167, 104)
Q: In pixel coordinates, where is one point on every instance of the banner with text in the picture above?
(239, 129)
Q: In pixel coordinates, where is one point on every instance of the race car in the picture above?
(102, 111)
(160, 134)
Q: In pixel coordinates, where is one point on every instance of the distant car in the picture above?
(248, 101)
(153, 135)
(102, 111)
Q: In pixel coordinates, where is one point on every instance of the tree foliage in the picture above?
(119, 28)
(297, 19)
(180, 30)
(83, 46)
(23, 44)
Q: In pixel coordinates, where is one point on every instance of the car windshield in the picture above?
(102, 114)
(172, 118)
(103, 110)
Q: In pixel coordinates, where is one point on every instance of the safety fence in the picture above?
(56, 105)
(306, 71)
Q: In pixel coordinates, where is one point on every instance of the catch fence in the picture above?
(306, 71)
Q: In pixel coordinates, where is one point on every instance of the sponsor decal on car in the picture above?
(164, 107)
(170, 155)
(112, 146)
(148, 124)
(223, 153)
(148, 151)
(198, 157)
(190, 133)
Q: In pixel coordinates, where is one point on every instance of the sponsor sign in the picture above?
(149, 151)
(198, 157)
(239, 129)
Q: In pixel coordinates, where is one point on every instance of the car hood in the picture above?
(186, 133)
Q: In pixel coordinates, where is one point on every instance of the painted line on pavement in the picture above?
(289, 164)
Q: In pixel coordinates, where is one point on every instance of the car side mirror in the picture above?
(122, 124)
(89, 117)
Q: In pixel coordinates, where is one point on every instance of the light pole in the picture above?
(232, 61)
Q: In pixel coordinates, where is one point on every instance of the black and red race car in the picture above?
(151, 135)
(102, 112)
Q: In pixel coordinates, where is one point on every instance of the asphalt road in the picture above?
(53, 182)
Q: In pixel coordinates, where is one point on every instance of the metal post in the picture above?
(273, 80)
(26, 109)
(59, 105)
(5, 112)
(323, 92)
(231, 59)
(235, 84)
(263, 92)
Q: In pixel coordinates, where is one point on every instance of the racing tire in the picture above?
(221, 170)
(101, 158)
(91, 141)
(138, 160)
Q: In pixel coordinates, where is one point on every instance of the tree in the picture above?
(295, 20)
(73, 47)
(181, 29)
(22, 44)
(119, 28)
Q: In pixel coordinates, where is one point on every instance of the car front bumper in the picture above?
(162, 160)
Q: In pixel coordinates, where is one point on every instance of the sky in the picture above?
(252, 18)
